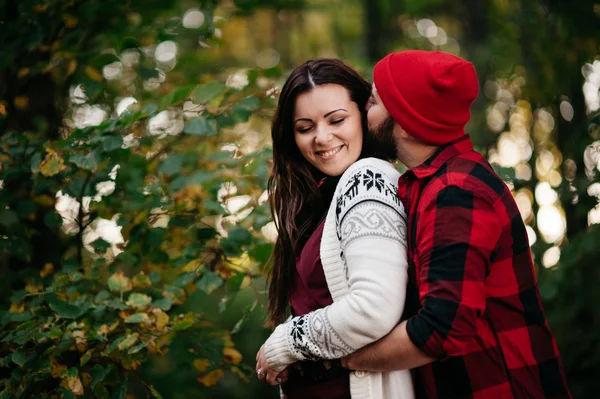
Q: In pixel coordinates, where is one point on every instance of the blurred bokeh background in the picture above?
(134, 152)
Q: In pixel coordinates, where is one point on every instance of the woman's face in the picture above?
(328, 128)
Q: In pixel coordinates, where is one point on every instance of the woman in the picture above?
(340, 256)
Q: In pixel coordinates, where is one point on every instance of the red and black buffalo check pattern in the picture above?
(479, 311)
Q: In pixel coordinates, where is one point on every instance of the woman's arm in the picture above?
(373, 244)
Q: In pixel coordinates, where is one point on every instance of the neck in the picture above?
(415, 154)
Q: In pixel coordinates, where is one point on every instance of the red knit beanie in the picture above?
(428, 93)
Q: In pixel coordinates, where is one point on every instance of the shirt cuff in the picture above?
(277, 351)
(424, 338)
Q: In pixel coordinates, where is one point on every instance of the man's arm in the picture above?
(395, 351)
(456, 235)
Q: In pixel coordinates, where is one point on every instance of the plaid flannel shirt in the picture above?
(480, 312)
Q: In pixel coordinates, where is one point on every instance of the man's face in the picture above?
(381, 125)
(376, 112)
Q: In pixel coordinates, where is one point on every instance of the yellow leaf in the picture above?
(93, 74)
(33, 289)
(162, 319)
(56, 368)
(232, 356)
(71, 68)
(22, 102)
(52, 164)
(48, 268)
(16, 308)
(40, 8)
(201, 364)
(75, 385)
(119, 282)
(23, 72)
(239, 373)
(211, 378)
(130, 363)
(2, 108)
(70, 21)
(87, 378)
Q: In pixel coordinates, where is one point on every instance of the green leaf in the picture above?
(138, 300)
(54, 333)
(88, 162)
(238, 237)
(206, 233)
(249, 103)
(112, 142)
(137, 348)
(8, 218)
(100, 391)
(155, 393)
(176, 96)
(210, 282)
(184, 181)
(201, 126)
(184, 279)
(261, 252)
(128, 342)
(20, 358)
(101, 296)
(36, 160)
(100, 246)
(66, 310)
(85, 358)
(98, 374)
(163, 304)
(171, 165)
(235, 282)
(208, 92)
(137, 318)
(120, 392)
(53, 220)
(186, 322)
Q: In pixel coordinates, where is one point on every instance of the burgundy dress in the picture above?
(310, 292)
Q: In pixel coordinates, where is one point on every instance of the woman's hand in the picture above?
(267, 374)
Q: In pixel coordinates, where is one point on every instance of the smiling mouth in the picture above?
(329, 153)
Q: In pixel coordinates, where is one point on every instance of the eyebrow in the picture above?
(324, 116)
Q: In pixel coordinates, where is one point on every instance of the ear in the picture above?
(399, 132)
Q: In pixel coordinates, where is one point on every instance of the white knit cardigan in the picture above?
(363, 252)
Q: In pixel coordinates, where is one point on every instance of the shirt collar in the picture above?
(441, 156)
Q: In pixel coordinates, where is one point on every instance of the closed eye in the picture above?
(335, 122)
(303, 130)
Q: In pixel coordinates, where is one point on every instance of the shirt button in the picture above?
(360, 373)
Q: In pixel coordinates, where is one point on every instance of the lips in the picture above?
(329, 153)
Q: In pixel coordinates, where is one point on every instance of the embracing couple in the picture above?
(399, 286)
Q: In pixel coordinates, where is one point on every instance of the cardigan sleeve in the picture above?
(371, 229)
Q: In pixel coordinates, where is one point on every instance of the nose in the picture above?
(323, 135)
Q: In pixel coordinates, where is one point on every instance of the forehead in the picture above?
(374, 91)
(321, 100)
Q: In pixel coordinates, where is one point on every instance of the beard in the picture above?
(381, 141)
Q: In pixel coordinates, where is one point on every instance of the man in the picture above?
(480, 330)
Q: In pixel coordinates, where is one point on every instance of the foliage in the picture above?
(122, 251)
(86, 307)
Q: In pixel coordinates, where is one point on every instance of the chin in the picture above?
(336, 170)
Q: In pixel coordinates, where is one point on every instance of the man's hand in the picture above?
(395, 351)
(267, 374)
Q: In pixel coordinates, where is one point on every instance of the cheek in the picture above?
(303, 143)
(355, 136)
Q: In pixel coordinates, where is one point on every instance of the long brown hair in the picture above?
(295, 199)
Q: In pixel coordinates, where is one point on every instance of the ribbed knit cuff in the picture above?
(277, 351)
